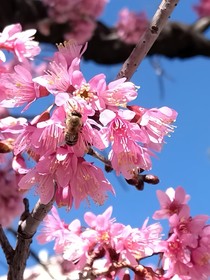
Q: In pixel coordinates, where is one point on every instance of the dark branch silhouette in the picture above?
(177, 40)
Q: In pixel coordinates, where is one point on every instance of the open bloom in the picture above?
(155, 123)
(127, 155)
(18, 88)
(134, 244)
(20, 42)
(171, 202)
(89, 180)
(119, 93)
(54, 229)
(187, 262)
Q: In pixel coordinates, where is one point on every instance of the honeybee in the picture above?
(73, 127)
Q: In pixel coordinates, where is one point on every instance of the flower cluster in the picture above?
(85, 115)
(203, 8)
(80, 15)
(184, 254)
(131, 26)
(103, 239)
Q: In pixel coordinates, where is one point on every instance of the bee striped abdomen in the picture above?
(71, 139)
(73, 127)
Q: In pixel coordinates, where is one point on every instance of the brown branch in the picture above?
(142, 271)
(33, 254)
(176, 40)
(100, 157)
(26, 230)
(147, 40)
(6, 247)
(201, 25)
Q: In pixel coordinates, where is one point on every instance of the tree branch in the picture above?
(26, 230)
(147, 40)
(7, 248)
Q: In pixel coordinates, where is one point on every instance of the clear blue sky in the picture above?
(184, 160)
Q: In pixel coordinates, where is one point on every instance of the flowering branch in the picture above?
(106, 247)
(147, 40)
(140, 270)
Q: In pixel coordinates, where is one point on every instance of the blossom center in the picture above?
(104, 236)
(174, 246)
(84, 92)
(205, 259)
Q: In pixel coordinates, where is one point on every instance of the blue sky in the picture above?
(185, 159)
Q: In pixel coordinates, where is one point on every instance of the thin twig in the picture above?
(100, 157)
(201, 25)
(148, 38)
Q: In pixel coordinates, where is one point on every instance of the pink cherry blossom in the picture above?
(89, 180)
(82, 30)
(69, 50)
(91, 132)
(171, 202)
(186, 227)
(60, 70)
(11, 127)
(60, 11)
(43, 134)
(63, 197)
(203, 8)
(136, 243)
(187, 262)
(106, 241)
(89, 91)
(48, 170)
(176, 258)
(131, 26)
(205, 237)
(155, 123)
(201, 260)
(81, 16)
(82, 178)
(183, 251)
(18, 88)
(53, 229)
(100, 222)
(56, 79)
(119, 93)
(64, 78)
(11, 200)
(127, 156)
(20, 42)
